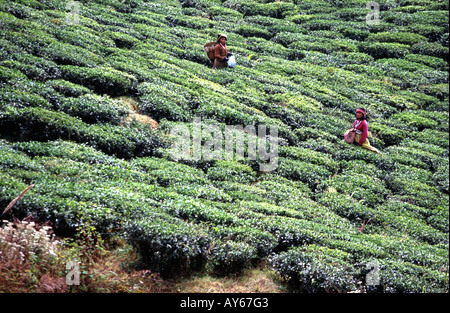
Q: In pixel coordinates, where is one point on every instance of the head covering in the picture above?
(361, 110)
(220, 36)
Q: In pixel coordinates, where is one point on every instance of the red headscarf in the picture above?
(362, 111)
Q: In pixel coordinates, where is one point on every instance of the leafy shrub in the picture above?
(380, 50)
(388, 134)
(231, 171)
(163, 102)
(246, 7)
(346, 206)
(369, 190)
(358, 153)
(399, 37)
(100, 79)
(122, 40)
(168, 172)
(7, 74)
(232, 257)
(418, 193)
(95, 109)
(36, 123)
(167, 245)
(315, 269)
(66, 149)
(248, 30)
(261, 240)
(216, 10)
(431, 61)
(440, 177)
(32, 66)
(67, 88)
(67, 54)
(431, 49)
(403, 277)
(304, 66)
(14, 98)
(303, 171)
(310, 156)
(433, 136)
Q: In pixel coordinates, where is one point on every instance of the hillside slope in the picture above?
(75, 77)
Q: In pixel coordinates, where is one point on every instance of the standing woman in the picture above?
(221, 52)
(361, 128)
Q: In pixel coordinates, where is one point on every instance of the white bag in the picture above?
(231, 61)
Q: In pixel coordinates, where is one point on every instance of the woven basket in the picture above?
(349, 136)
(209, 48)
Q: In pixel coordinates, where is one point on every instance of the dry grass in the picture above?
(32, 260)
(28, 253)
(134, 114)
(251, 281)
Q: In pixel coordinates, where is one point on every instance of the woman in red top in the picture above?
(221, 53)
(361, 128)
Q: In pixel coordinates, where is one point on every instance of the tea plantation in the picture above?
(80, 81)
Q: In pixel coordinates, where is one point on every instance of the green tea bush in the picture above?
(101, 79)
(167, 245)
(41, 124)
(66, 149)
(261, 240)
(189, 22)
(11, 158)
(380, 50)
(232, 257)
(368, 190)
(13, 98)
(327, 210)
(389, 135)
(121, 40)
(315, 269)
(415, 157)
(231, 171)
(248, 7)
(95, 109)
(161, 101)
(346, 206)
(249, 30)
(417, 193)
(67, 54)
(217, 10)
(431, 61)
(358, 153)
(399, 37)
(240, 191)
(32, 66)
(310, 156)
(169, 172)
(308, 173)
(404, 277)
(431, 49)
(281, 189)
(440, 177)
(67, 88)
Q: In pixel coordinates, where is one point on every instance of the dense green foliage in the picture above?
(326, 211)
